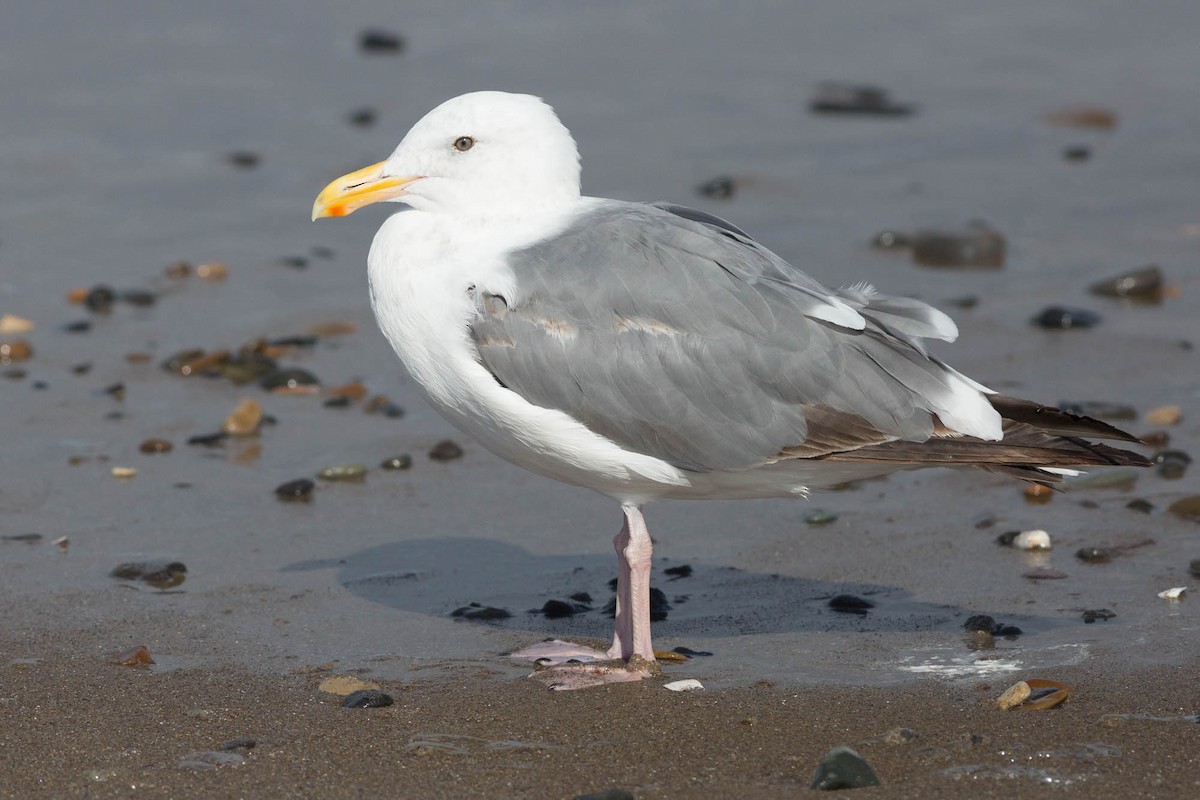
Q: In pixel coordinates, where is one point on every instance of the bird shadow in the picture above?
(439, 576)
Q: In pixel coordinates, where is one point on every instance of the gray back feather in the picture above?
(682, 338)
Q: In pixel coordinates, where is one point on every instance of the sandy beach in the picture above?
(139, 136)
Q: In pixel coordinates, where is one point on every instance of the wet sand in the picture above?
(119, 128)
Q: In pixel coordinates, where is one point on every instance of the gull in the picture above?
(653, 351)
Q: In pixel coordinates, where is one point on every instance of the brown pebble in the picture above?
(1164, 415)
(1038, 494)
(244, 420)
(137, 657)
(212, 271)
(155, 446)
(354, 391)
(333, 328)
(180, 269)
(1045, 574)
(10, 323)
(1014, 695)
(204, 363)
(1156, 439)
(19, 350)
(445, 450)
(78, 295)
(1094, 117)
(138, 358)
(1186, 508)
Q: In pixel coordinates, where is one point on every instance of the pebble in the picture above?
(19, 350)
(212, 271)
(690, 653)
(850, 604)
(332, 328)
(78, 326)
(680, 571)
(1095, 117)
(208, 439)
(900, 736)
(368, 698)
(180, 269)
(1077, 152)
(1014, 696)
(100, 299)
(244, 159)
(842, 768)
(289, 379)
(363, 117)
(351, 391)
(1063, 318)
(557, 609)
(836, 97)
(244, 743)
(1093, 614)
(686, 685)
(976, 246)
(343, 685)
(343, 472)
(1187, 508)
(1095, 555)
(445, 450)
(15, 374)
(1045, 574)
(10, 323)
(1193, 565)
(22, 537)
(891, 240)
(402, 461)
(136, 657)
(62, 543)
(337, 402)
(299, 490)
(211, 759)
(159, 574)
(138, 297)
(1140, 284)
(244, 419)
(155, 446)
(1174, 593)
(988, 624)
(1140, 505)
(1164, 416)
(124, 472)
(1038, 493)
(1172, 464)
(719, 188)
(1030, 540)
(820, 516)
(607, 794)
(377, 40)
(476, 611)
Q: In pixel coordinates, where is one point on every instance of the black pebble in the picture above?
(582, 597)
(1006, 539)
(1093, 614)
(988, 624)
(445, 450)
(100, 298)
(719, 188)
(116, 390)
(244, 159)
(208, 439)
(1062, 318)
(1077, 152)
(22, 537)
(834, 97)
(850, 604)
(402, 461)
(367, 698)
(556, 609)
(1138, 504)
(682, 571)
(295, 262)
(612, 585)
(607, 794)
(297, 490)
(342, 401)
(362, 117)
(290, 378)
(320, 251)
(242, 743)
(138, 297)
(690, 653)
(78, 326)
(1095, 555)
(392, 411)
(480, 612)
(374, 40)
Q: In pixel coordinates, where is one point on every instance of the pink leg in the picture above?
(631, 635)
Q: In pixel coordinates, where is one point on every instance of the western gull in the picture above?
(654, 351)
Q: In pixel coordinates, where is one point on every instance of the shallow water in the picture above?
(118, 122)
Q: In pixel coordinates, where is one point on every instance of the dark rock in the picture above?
(295, 262)
(850, 604)
(159, 574)
(208, 439)
(445, 450)
(1095, 555)
(607, 794)
(288, 379)
(244, 159)
(1172, 464)
(294, 341)
(1093, 614)
(1062, 318)
(690, 653)
(22, 537)
(556, 609)
(320, 251)
(138, 297)
(155, 446)
(367, 698)
(658, 605)
(1140, 284)
(681, 571)
(475, 611)
(977, 246)
(835, 97)
(362, 117)
(82, 369)
(842, 768)
(891, 240)
(719, 188)
(1006, 539)
(297, 490)
(988, 624)
(402, 461)
(1077, 152)
(100, 299)
(1186, 508)
(78, 326)
(341, 401)
(582, 597)
(116, 391)
(376, 40)
(243, 743)
(1138, 504)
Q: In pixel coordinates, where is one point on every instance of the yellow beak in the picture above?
(351, 192)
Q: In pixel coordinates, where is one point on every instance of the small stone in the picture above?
(376, 40)
(820, 516)
(1095, 117)
(980, 622)
(557, 609)
(898, 736)
(400, 462)
(208, 439)
(680, 571)
(1140, 505)
(1031, 540)
(686, 685)
(337, 402)
(607, 794)
(445, 450)
(343, 685)
(1045, 574)
(332, 328)
(155, 446)
(362, 117)
(62, 543)
(835, 97)
(850, 604)
(1172, 464)
(1186, 508)
(891, 240)
(244, 420)
(1095, 555)
(22, 537)
(1193, 565)
(1063, 318)
(100, 299)
(243, 743)
(368, 698)
(582, 597)
(295, 262)
(481, 613)
(212, 271)
(78, 326)
(299, 490)
(1164, 415)
(1077, 152)
(718, 188)
(1174, 593)
(244, 159)
(137, 657)
(124, 472)
(1093, 614)
(138, 297)
(690, 653)
(180, 269)
(10, 352)
(289, 379)
(159, 574)
(211, 759)
(1141, 284)
(343, 472)
(977, 246)
(1037, 494)
(10, 323)
(1013, 696)
(842, 768)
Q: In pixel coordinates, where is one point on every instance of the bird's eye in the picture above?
(463, 143)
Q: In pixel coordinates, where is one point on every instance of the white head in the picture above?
(480, 154)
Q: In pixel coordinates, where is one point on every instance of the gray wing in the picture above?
(676, 335)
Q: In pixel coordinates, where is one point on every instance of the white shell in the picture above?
(1032, 540)
(1173, 594)
(684, 685)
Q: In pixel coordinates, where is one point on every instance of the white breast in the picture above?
(421, 268)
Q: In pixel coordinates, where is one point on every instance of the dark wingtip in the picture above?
(1055, 420)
